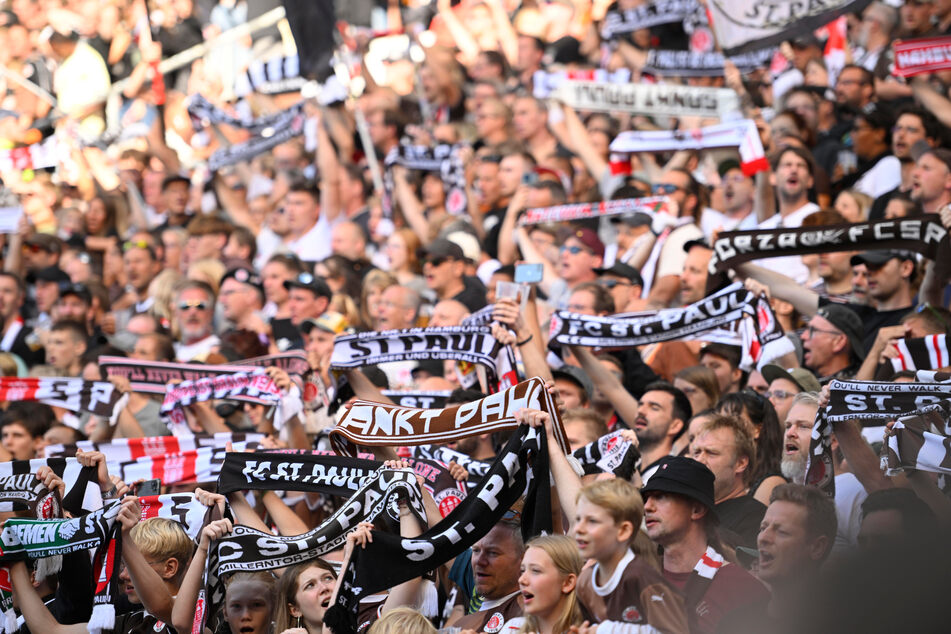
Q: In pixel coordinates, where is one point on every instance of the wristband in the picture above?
(527, 339)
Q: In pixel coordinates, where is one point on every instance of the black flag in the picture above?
(312, 23)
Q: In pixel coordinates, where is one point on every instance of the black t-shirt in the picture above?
(473, 295)
(742, 516)
(140, 622)
(873, 319)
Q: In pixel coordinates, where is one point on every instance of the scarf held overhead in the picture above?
(926, 55)
(388, 560)
(645, 16)
(919, 441)
(153, 377)
(377, 424)
(923, 234)
(565, 213)
(740, 134)
(474, 344)
(925, 353)
(100, 398)
(659, 100)
(698, 64)
(20, 490)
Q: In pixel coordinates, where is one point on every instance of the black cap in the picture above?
(433, 367)
(726, 165)
(878, 258)
(689, 244)
(445, 249)
(245, 276)
(51, 274)
(686, 477)
(79, 290)
(806, 40)
(174, 178)
(311, 282)
(848, 321)
(621, 269)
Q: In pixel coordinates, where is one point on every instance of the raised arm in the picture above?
(35, 612)
(183, 614)
(781, 287)
(567, 482)
(148, 584)
(622, 400)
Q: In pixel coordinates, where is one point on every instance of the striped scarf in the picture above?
(919, 440)
(925, 353)
(20, 490)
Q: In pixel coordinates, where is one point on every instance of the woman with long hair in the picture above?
(402, 248)
(249, 602)
(550, 568)
(768, 433)
(374, 284)
(303, 595)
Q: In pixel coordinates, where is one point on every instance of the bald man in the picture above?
(347, 239)
(448, 312)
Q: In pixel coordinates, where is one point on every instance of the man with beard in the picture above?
(849, 492)
(913, 124)
(662, 416)
(738, 199)
(193, 314)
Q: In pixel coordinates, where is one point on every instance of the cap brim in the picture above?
(771, 372)
(666, 485)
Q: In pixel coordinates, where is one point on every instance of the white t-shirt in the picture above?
(849, 495)
(881, 179)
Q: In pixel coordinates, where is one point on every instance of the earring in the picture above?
(298, 622)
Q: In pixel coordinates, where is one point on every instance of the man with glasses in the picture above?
(785, 384)
(832, 343)
(192, 318)
(854, 87)
(444, 270)
(738, 198)
(625, 284)
(681, 188)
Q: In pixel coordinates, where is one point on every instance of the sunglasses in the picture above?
(666, 188)
(137, 244)
(186, 305)
(33, 248)
(438, 260)
(610, 284)
(573, 250)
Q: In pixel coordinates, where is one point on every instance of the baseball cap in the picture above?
(79, 290)
(311, 282)
(443, 248)
(245, 276)
(806, 40)
(878, 258)
(621, 269)
(848, 322)
(51, 274)
(577, 376)
(804, 379)
(726, 165)
(636, 219)
(331, 322)
(686, 477)
(45, 241)
(589, 239)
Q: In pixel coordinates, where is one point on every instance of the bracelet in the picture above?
(522, 343)
(111, 493)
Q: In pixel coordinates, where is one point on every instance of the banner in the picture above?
(927, 55)
(375, 424)
(709, 64)
(655, 100)
(645, 16)
(566, 213)
(921, 234)
(744, 25)
(740, 134)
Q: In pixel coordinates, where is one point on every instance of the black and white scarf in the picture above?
(204, 113)
(317, 472)
(376, 424)
(582, 211)
(183, 508)
(198, 465)
(247, 549)
(714, 312)
(20, 490)
(39, 539)
(100, 398)
(520, 469)
(919, 441)
(473, 344)
(645, 16)
(608, 454)
(246, 386)
(926, 353)
(660, 100)
(443, 158)
(272, 77)
(287, 124)
(866, 401)
(697, 64)
(921, 234)
(544, 82)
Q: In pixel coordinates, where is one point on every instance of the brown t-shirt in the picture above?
(732, 587)
(636, 594)
(491, 618)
